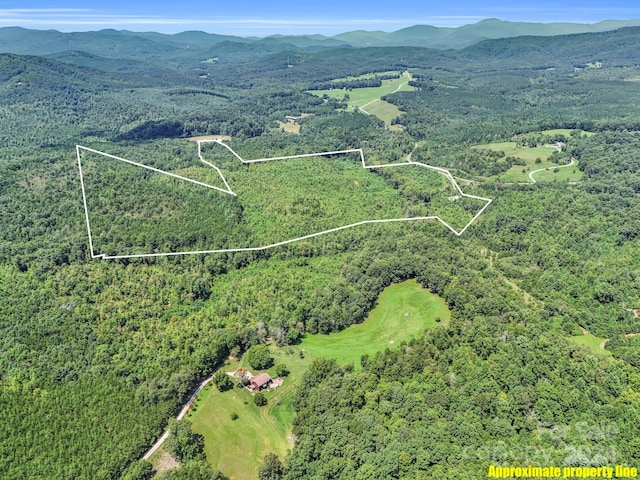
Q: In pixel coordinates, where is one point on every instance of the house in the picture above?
(260, 382)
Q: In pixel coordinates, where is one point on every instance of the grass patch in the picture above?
(363, 97)
(510, 149)
(520, 174)
(529, 155)
(385, 111)
(290, 127)
(592, 342)
(237, 446)
(569, 174)
(387, 325)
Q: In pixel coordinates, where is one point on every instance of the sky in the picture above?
(328, 17)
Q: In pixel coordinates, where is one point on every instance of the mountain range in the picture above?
(125, 44)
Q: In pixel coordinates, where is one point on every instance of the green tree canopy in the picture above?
(259, 358)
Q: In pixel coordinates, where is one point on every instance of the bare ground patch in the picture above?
(166, 462)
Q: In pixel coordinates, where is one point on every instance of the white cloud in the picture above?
(66, 18)
(74, 19)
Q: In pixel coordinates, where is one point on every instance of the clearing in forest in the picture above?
(385, 111)
(535, 158)
(237, 446)
(537, 166)
(404, 310)
(224, 203)
(595, 344)
(360, 97)
(369, 99)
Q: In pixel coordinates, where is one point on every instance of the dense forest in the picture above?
(97, 355)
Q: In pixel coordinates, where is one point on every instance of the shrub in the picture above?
(259, 399)
(282, 370)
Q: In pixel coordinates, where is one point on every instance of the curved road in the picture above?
(573, 162)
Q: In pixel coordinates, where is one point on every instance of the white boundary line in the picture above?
(440, 170)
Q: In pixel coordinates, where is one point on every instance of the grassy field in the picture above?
(385, 111)
(593, 342)
(568, 174)
(403, 311)
(520, 174)
(290, 127)
(236, 447)
(525, 153)
(359, 97)
(529, 155)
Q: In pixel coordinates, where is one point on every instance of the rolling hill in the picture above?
(150, 45)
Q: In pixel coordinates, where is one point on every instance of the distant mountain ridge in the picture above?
(125, 44)
(466, 35)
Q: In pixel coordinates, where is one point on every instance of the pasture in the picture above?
(236, 447)
(553, 174)
(385, 111)
(541, 154)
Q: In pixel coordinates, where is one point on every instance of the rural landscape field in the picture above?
(371, 255)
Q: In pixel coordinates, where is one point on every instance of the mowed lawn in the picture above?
(404, 310)
(566, 174)
(237, 447)
(520, 174)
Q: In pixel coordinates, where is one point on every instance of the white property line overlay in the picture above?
(228, 191)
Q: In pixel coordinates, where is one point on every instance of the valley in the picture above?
(491, 183)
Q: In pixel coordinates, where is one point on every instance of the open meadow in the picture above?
(369, 98)
(385, 111)
(404, 310)
(535, 158)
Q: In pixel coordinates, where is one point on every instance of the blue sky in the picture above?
(329, 17)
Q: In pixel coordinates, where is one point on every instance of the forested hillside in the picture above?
(96, 356)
